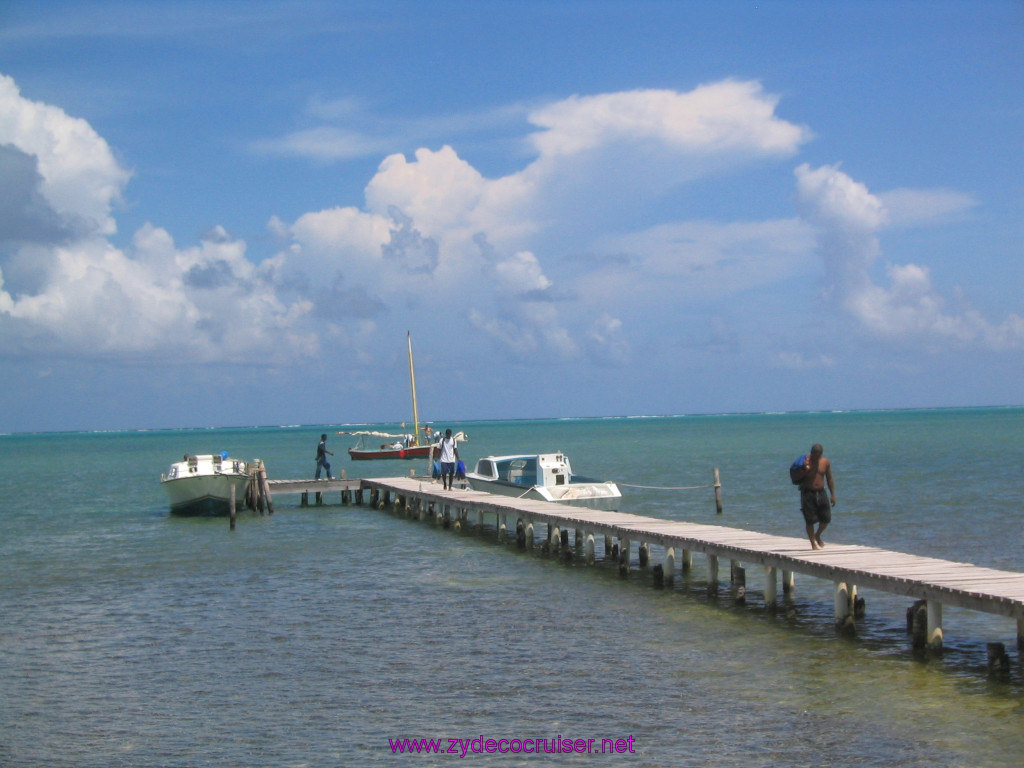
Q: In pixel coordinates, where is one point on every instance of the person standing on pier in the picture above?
(449, 455)
(321, 458)
(815, 505)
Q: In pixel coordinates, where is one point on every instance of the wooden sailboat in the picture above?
(385, 445)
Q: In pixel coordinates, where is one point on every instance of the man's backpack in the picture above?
(797, 471)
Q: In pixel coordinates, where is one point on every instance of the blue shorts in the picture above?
(447, 467)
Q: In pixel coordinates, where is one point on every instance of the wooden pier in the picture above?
(931, 582)
(317, 488)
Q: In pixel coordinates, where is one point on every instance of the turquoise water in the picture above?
(313, 636)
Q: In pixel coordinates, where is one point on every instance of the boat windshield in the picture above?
(520, 471)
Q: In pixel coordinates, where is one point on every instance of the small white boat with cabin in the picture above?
(202, 484)
(544, 476)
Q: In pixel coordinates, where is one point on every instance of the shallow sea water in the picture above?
(313, 636)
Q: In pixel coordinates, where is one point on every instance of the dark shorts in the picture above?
(815, 506)
(447, 467)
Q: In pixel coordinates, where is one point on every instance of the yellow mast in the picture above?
(412, 384)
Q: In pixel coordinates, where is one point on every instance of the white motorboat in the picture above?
(201, 484)
(544, 476)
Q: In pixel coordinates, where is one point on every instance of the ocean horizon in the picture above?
(901, 409)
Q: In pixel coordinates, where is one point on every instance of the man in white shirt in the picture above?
(449, 455)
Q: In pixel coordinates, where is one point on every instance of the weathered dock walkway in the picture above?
(317, 487)
(932, 582)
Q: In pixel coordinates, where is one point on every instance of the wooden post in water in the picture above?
(687, 560)
(250, 492)
(842, 601)
(998, 660)
(738, 577)
(231, 509)
(669, 567)
(770, 587)
(265, 487)
(934, 631)
(718, 492)
(917, 623)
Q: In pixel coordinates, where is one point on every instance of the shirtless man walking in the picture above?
(815, 505)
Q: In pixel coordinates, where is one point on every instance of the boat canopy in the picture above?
(527, 471)
(370, 433)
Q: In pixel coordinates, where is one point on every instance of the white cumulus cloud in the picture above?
(66, 290)
(847, 219)
(726, 117)
(78, 176)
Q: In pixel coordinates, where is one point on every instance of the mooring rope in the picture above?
(666, 488)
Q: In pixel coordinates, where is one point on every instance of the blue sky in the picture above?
(217, 213)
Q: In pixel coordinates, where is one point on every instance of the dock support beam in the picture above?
(588, 549)
(686, 560)
(934, 638)
(770, 587)
(738, 580)
(842, 601)
(713, 573)
(669, 566)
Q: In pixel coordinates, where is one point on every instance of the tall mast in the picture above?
(412, 385)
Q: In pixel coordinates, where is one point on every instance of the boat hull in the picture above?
(416, 452)
(542, 476)
(205, 495)
(603, 496)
